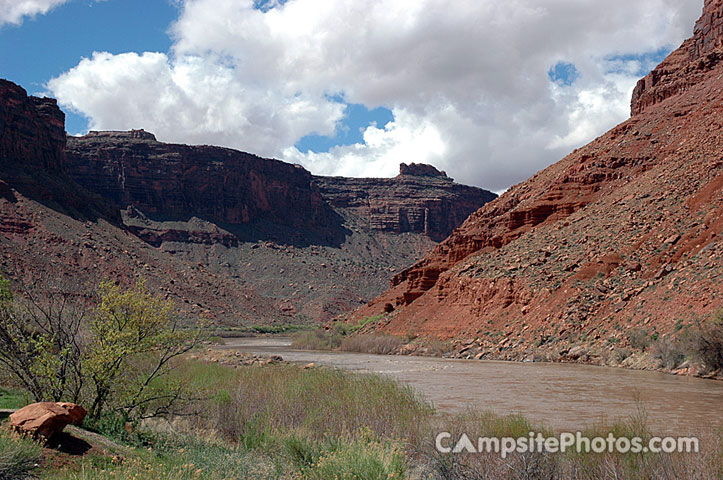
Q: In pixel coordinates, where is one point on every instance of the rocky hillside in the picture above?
(231, 236)
(622, 235)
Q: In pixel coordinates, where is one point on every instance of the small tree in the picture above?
(116, 357)
(135, 338)
(41, 342)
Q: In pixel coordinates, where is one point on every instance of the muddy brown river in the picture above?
(565, 397)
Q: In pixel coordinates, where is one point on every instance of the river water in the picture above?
(564, 397)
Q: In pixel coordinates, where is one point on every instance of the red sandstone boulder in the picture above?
(46, 419)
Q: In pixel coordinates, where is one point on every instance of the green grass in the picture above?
(176, 457)
(11, 399)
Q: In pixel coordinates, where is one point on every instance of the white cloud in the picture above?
(466, 80)
(191, 99)
(13, 11)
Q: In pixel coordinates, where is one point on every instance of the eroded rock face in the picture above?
(32, 130)
(420, 200)
(46, 419)
(218, 184)
(624, 232)
(688, 65)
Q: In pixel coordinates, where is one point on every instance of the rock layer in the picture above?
(688, 65)
(229, 236)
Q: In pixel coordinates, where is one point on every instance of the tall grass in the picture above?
(316, 340)
(431, 464)
(321, 403)
(18, 456)
(368, 343)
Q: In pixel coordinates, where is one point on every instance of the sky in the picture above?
(489, 91)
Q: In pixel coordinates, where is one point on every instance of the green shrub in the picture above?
(360, 458)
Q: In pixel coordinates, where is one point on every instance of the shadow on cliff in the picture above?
(57, 192)
(155, 229)
(333, 234)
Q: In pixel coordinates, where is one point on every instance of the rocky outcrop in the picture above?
(420, 170)
(218, 184)
(46, 420)
(32, 129)
(621, 234)
(421, 199)
(688, 65)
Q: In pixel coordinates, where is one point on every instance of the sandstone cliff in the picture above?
(688, 65)
(420, 200)
(217, 184)
(315, 247)
(623, 233)
(32, 129)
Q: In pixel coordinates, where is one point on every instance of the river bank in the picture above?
(559, 395)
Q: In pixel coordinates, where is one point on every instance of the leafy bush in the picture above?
(118, 354)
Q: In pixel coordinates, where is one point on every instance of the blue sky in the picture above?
(45, 46)
(489, 91)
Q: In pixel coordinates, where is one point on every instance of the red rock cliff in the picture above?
(218, 184)
(32, 129)
(686, 66)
